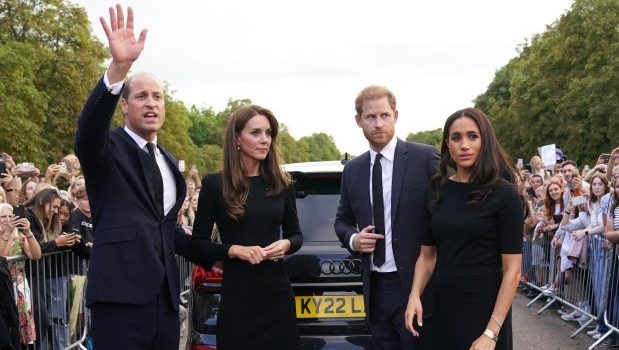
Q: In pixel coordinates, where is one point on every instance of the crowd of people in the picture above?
(49, 213)
(427, 224)
(571, 226)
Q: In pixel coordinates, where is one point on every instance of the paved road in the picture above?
(531, 331)
(543, 332)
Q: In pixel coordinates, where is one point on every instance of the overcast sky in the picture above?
(307, 60)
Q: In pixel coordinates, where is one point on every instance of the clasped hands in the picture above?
(256, 254)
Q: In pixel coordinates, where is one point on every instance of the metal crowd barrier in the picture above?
(54, 289)
(590, 288)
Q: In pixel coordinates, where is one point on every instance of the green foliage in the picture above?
(320, 146)
(428, 137)
(61, 60)
(22, 105)
(49, 63)
(562, 88)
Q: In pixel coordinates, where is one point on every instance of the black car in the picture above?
(325, 277)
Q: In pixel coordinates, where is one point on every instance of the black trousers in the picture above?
(388, 300)
(154, 326)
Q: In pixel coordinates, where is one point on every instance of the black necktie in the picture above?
(378, 210)
(156, 180)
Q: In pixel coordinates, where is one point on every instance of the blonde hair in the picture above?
(14, 232)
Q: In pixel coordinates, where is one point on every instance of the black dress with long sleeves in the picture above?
(257, 305)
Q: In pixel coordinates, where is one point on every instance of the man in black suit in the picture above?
(382, 214)
(135, 191)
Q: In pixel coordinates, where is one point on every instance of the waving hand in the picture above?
(124, 47)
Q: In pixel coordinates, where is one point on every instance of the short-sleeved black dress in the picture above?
(257, 307)
(469, 243)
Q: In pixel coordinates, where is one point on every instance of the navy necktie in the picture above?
(156, 179)
(378, 210)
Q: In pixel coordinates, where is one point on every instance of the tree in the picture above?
(562, 88)
(22, 105)
(320, 146)
(65, 60)
(428, 137)
(292, 150)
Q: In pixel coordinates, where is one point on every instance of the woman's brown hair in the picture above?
(51, 227)
(592, 197)
(549, 203)
(491, 167)
(235, 183)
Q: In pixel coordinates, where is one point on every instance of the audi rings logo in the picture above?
(340, 267)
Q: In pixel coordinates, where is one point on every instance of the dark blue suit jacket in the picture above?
(413, 166)
(129, 234)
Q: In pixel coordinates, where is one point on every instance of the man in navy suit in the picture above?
(383, 215)
(135, 192)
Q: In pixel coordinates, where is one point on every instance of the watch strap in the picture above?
(490, 334)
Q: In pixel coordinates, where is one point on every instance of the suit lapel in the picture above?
(400, 161)
(364, 189)
(181, 189)
(144, 166)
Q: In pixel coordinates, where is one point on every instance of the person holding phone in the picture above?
(574, 184)
(17, 239)
(51, 283)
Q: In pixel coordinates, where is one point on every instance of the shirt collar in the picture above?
(388, 151)
(140, 141)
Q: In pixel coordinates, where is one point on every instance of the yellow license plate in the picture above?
(329, 306)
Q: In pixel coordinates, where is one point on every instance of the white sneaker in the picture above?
(593, 332)
(597, 336)
(583, 320)
(574, 316)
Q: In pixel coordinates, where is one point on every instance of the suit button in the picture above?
(395, 240)
(400, 267)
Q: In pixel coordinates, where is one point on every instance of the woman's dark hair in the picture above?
(491, 167)
(234, 180)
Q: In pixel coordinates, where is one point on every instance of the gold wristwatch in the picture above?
(490, 334)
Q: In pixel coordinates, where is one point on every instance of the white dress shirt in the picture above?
(169, 185)
(386, 163)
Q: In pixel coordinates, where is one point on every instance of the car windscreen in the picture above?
(318, 196)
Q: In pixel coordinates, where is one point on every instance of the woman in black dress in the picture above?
(475, 244)
(251, 200)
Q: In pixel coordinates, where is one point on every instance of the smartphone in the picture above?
(181, 165)
(19, 210)
(605, 158)
(528, 168)
(63, 167)
(519, 163)
(579, 200)
(3, 169)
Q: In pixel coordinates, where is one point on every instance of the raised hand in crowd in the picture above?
(124, 47)
(67, 239)
(51, 173)
(30, 245)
